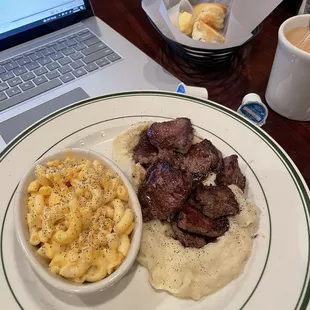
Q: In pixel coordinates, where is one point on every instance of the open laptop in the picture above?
(56, 52)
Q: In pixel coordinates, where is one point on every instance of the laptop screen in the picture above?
(21, 15)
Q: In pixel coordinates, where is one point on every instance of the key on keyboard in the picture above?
(50, 44)
(49, 66)
(45, 61)
(79, 72)
(20, 71)
(91, 67)
(32, 65)
(52, 66)
(13, 91)
(40, 80)
(40, 71)
(95, 56)
(53, 74)
(71, 42)
(48, 51)
(39, 49)
(15, 81)
(94, 48)
(76, 56)
(57, 56)
(11, 66)
(59, 47)
(61, 41)
(36, 56)
(29, 94)
(6, 76)
(77, 64)
(102, 62)
(64, 61)
(67, 77)
(79, 47)
(68, 51)
(28, 76)
(27, 85)
(4, 62)
(84, 37)
(17, 57)
(3, 86)
(28, 53)
(65, 69)
(23, 61)
(92, 41)
(2, 96)
(113, 57)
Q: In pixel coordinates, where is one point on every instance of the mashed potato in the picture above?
(190, 272)
(194, 273)
(123, 156)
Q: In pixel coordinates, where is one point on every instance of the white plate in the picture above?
(277, 274)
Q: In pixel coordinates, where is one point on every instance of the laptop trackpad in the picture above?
(10, 128)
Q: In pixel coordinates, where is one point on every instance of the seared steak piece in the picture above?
(201, 158)
(163, 191)
(187, 239)
(215, 201)
(176, 135)
(231, 173)
(193, 221)
(144, 152)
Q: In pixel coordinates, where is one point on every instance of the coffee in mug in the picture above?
(288, 90)
(300, 37)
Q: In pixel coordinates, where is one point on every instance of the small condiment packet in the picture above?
(198, 92)
(253, 109)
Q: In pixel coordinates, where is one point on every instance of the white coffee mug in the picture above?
(288, 91)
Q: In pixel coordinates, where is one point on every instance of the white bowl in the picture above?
(39, 264)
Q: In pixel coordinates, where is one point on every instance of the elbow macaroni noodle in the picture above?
(78, 216)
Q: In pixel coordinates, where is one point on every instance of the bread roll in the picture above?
(212, 14)
(186, 23)
(203, 32)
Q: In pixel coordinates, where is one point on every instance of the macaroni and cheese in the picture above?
(78, 216)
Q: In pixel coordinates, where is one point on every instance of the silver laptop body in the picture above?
(32, 83)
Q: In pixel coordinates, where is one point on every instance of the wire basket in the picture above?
(205, 57)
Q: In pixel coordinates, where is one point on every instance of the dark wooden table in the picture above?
(248, 73)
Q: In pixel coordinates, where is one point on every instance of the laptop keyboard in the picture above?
(52, 65)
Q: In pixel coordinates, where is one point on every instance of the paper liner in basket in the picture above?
(242, 18)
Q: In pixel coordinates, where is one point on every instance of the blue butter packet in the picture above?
(181, 89)
(256, 112)
(199, 92)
